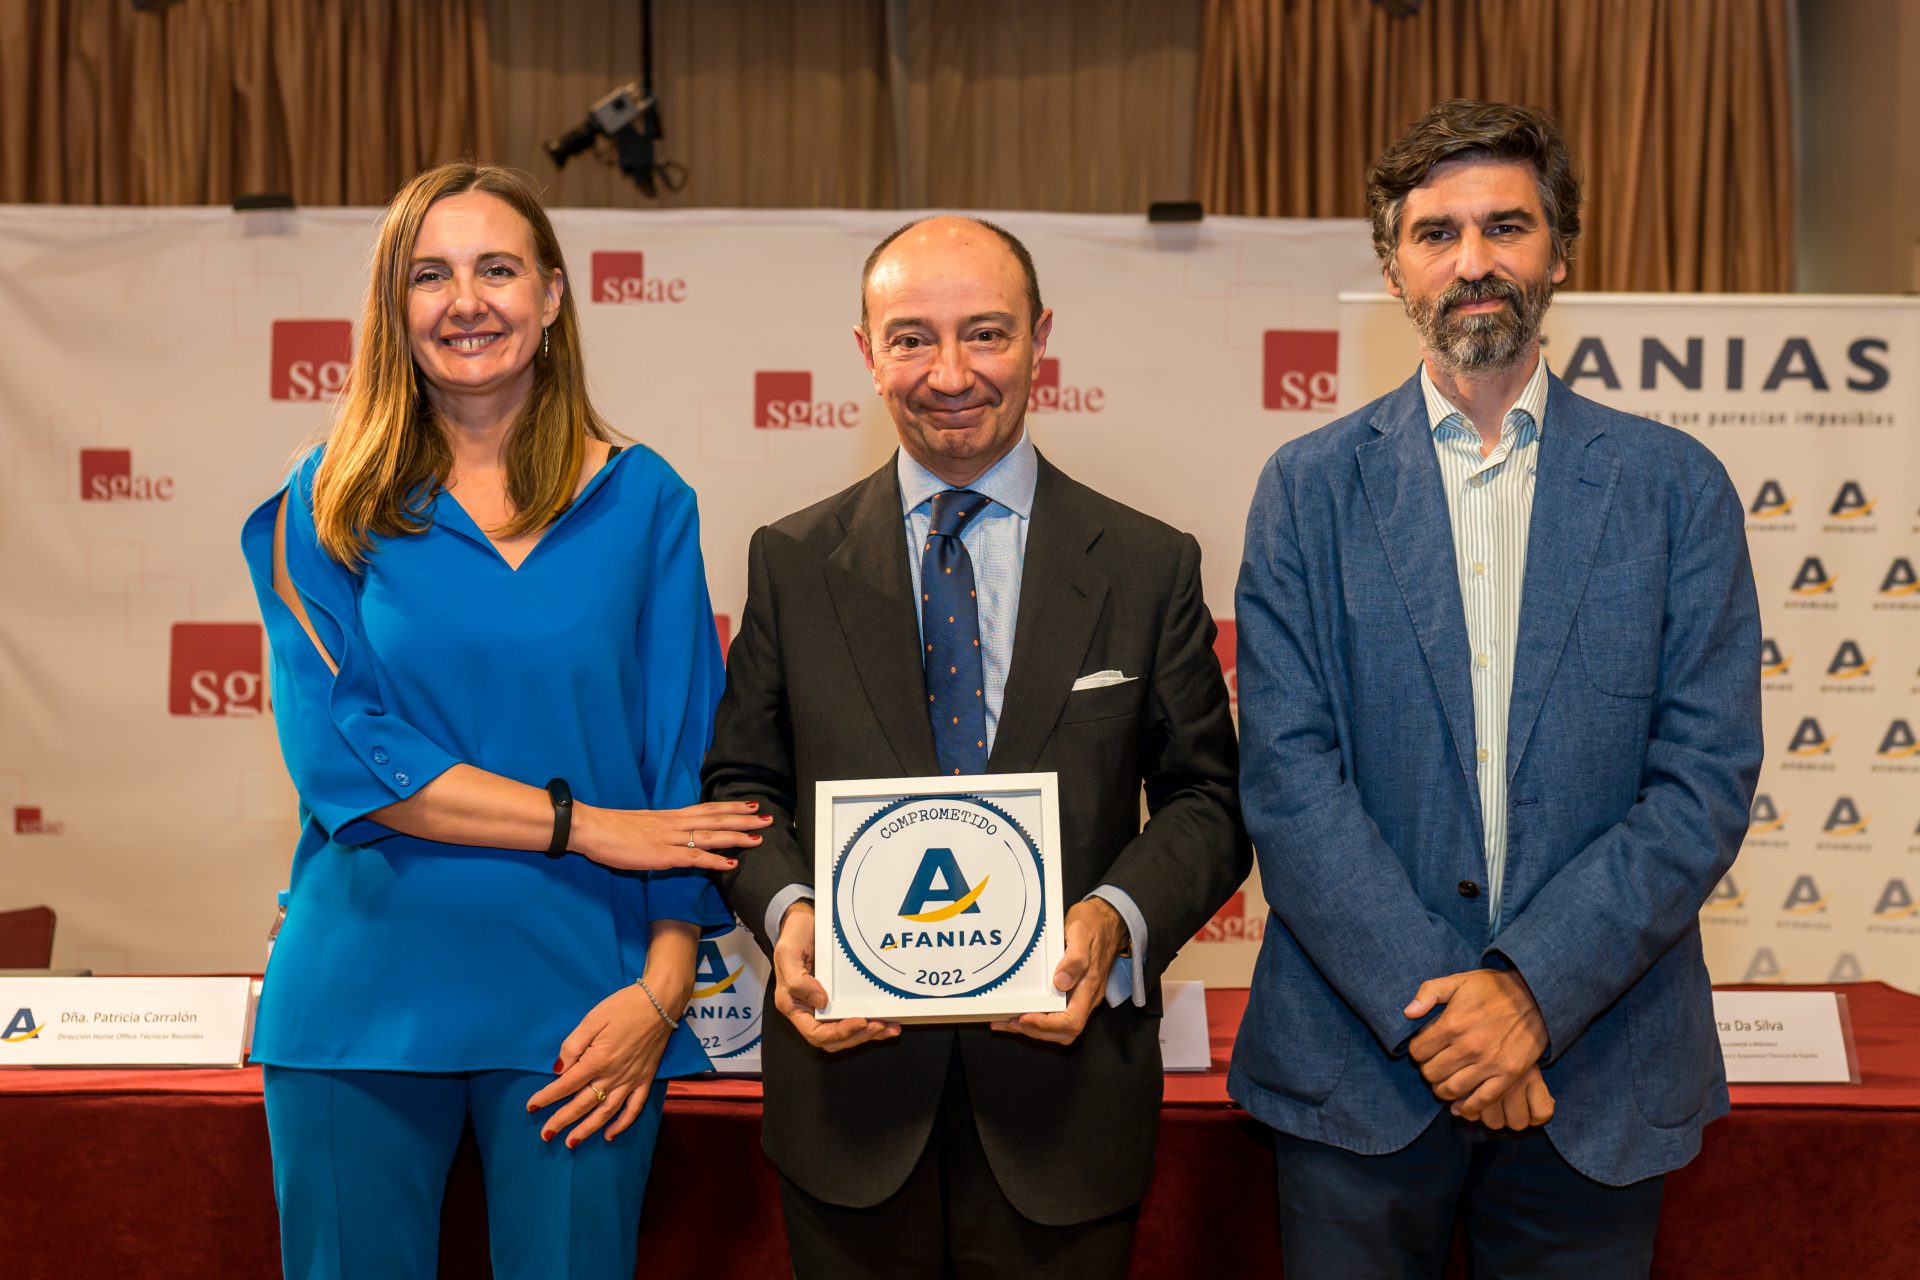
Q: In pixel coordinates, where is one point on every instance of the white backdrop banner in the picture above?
(1812, 404)
(159, 368)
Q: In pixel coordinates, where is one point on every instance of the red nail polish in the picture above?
(546, 1135)
(733, 862)
(572, 1143)
(753, 806)
(558, 1065)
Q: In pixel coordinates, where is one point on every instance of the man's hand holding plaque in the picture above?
(798, 994)
(1095, 934)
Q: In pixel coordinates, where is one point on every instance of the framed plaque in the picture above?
(938, 899)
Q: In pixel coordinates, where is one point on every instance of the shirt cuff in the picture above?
(777, 909)
(1128, 978)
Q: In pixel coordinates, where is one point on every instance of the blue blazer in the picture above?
(1634, 744)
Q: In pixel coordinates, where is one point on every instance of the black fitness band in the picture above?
(562, 796)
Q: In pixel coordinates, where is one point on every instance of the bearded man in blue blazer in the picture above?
(1500, 727)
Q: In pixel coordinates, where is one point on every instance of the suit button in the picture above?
(1468, 889)
(379, 755)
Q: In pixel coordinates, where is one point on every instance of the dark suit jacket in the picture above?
(824, 682)
(1632, 750)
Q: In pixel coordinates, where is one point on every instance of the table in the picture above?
(164, 1174)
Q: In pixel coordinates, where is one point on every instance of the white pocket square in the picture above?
(1100, 680)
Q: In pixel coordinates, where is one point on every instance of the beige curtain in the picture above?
(765, 102)
(333, 101)
(1072, 105)
(1678, 113)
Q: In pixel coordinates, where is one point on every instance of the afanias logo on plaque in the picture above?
(729, 993)
(939, 897)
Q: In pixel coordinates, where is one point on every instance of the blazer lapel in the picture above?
(872, 590)
(1571, 493)
(1061, 597)
(1401, 477)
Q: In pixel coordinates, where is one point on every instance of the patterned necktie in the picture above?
(950, 628)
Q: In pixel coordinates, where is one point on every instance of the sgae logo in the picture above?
(939, 897)
(1896, 902)
(785, 399)
(1899, 743)
(106, 475)
(1763, 817)
(1232, 923)
(622, 278)
(1772, 662)
(1726, 896)
(1804, 898)
(1050, 395)
(21, 1027)
(1225, 650)
(310, 358)
(1301, 369)
(1844, 819)
(1813, 579)
(1848, 662)
(1850, 503)
(215, 669)
(31, 822)
(729, 992)
(1795, 361)
(1808, 740)
(1901, 579)
(1771, 502)
(1846, 968)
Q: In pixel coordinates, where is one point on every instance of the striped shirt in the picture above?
(1489, 503)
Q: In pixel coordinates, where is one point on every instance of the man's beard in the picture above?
(1486, 341)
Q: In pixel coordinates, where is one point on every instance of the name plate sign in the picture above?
(1786, 1037)
(938, 899)
(1184, 1042)
(118, 1022)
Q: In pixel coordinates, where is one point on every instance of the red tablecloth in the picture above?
(162, 1174)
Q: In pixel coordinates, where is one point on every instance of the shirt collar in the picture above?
(1532, 401)
(1009, 482)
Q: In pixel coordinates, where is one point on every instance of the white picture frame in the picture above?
(938, 899)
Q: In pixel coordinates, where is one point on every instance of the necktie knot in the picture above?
(952, 509)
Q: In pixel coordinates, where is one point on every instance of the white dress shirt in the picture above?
(1490, 504)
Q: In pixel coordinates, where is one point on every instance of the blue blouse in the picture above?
(596, 662)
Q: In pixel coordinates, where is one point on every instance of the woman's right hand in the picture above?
(667, 839)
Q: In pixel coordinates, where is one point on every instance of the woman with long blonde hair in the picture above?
(494, 672)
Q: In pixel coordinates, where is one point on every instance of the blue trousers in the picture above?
(1528, 1214)
(360, 1163)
